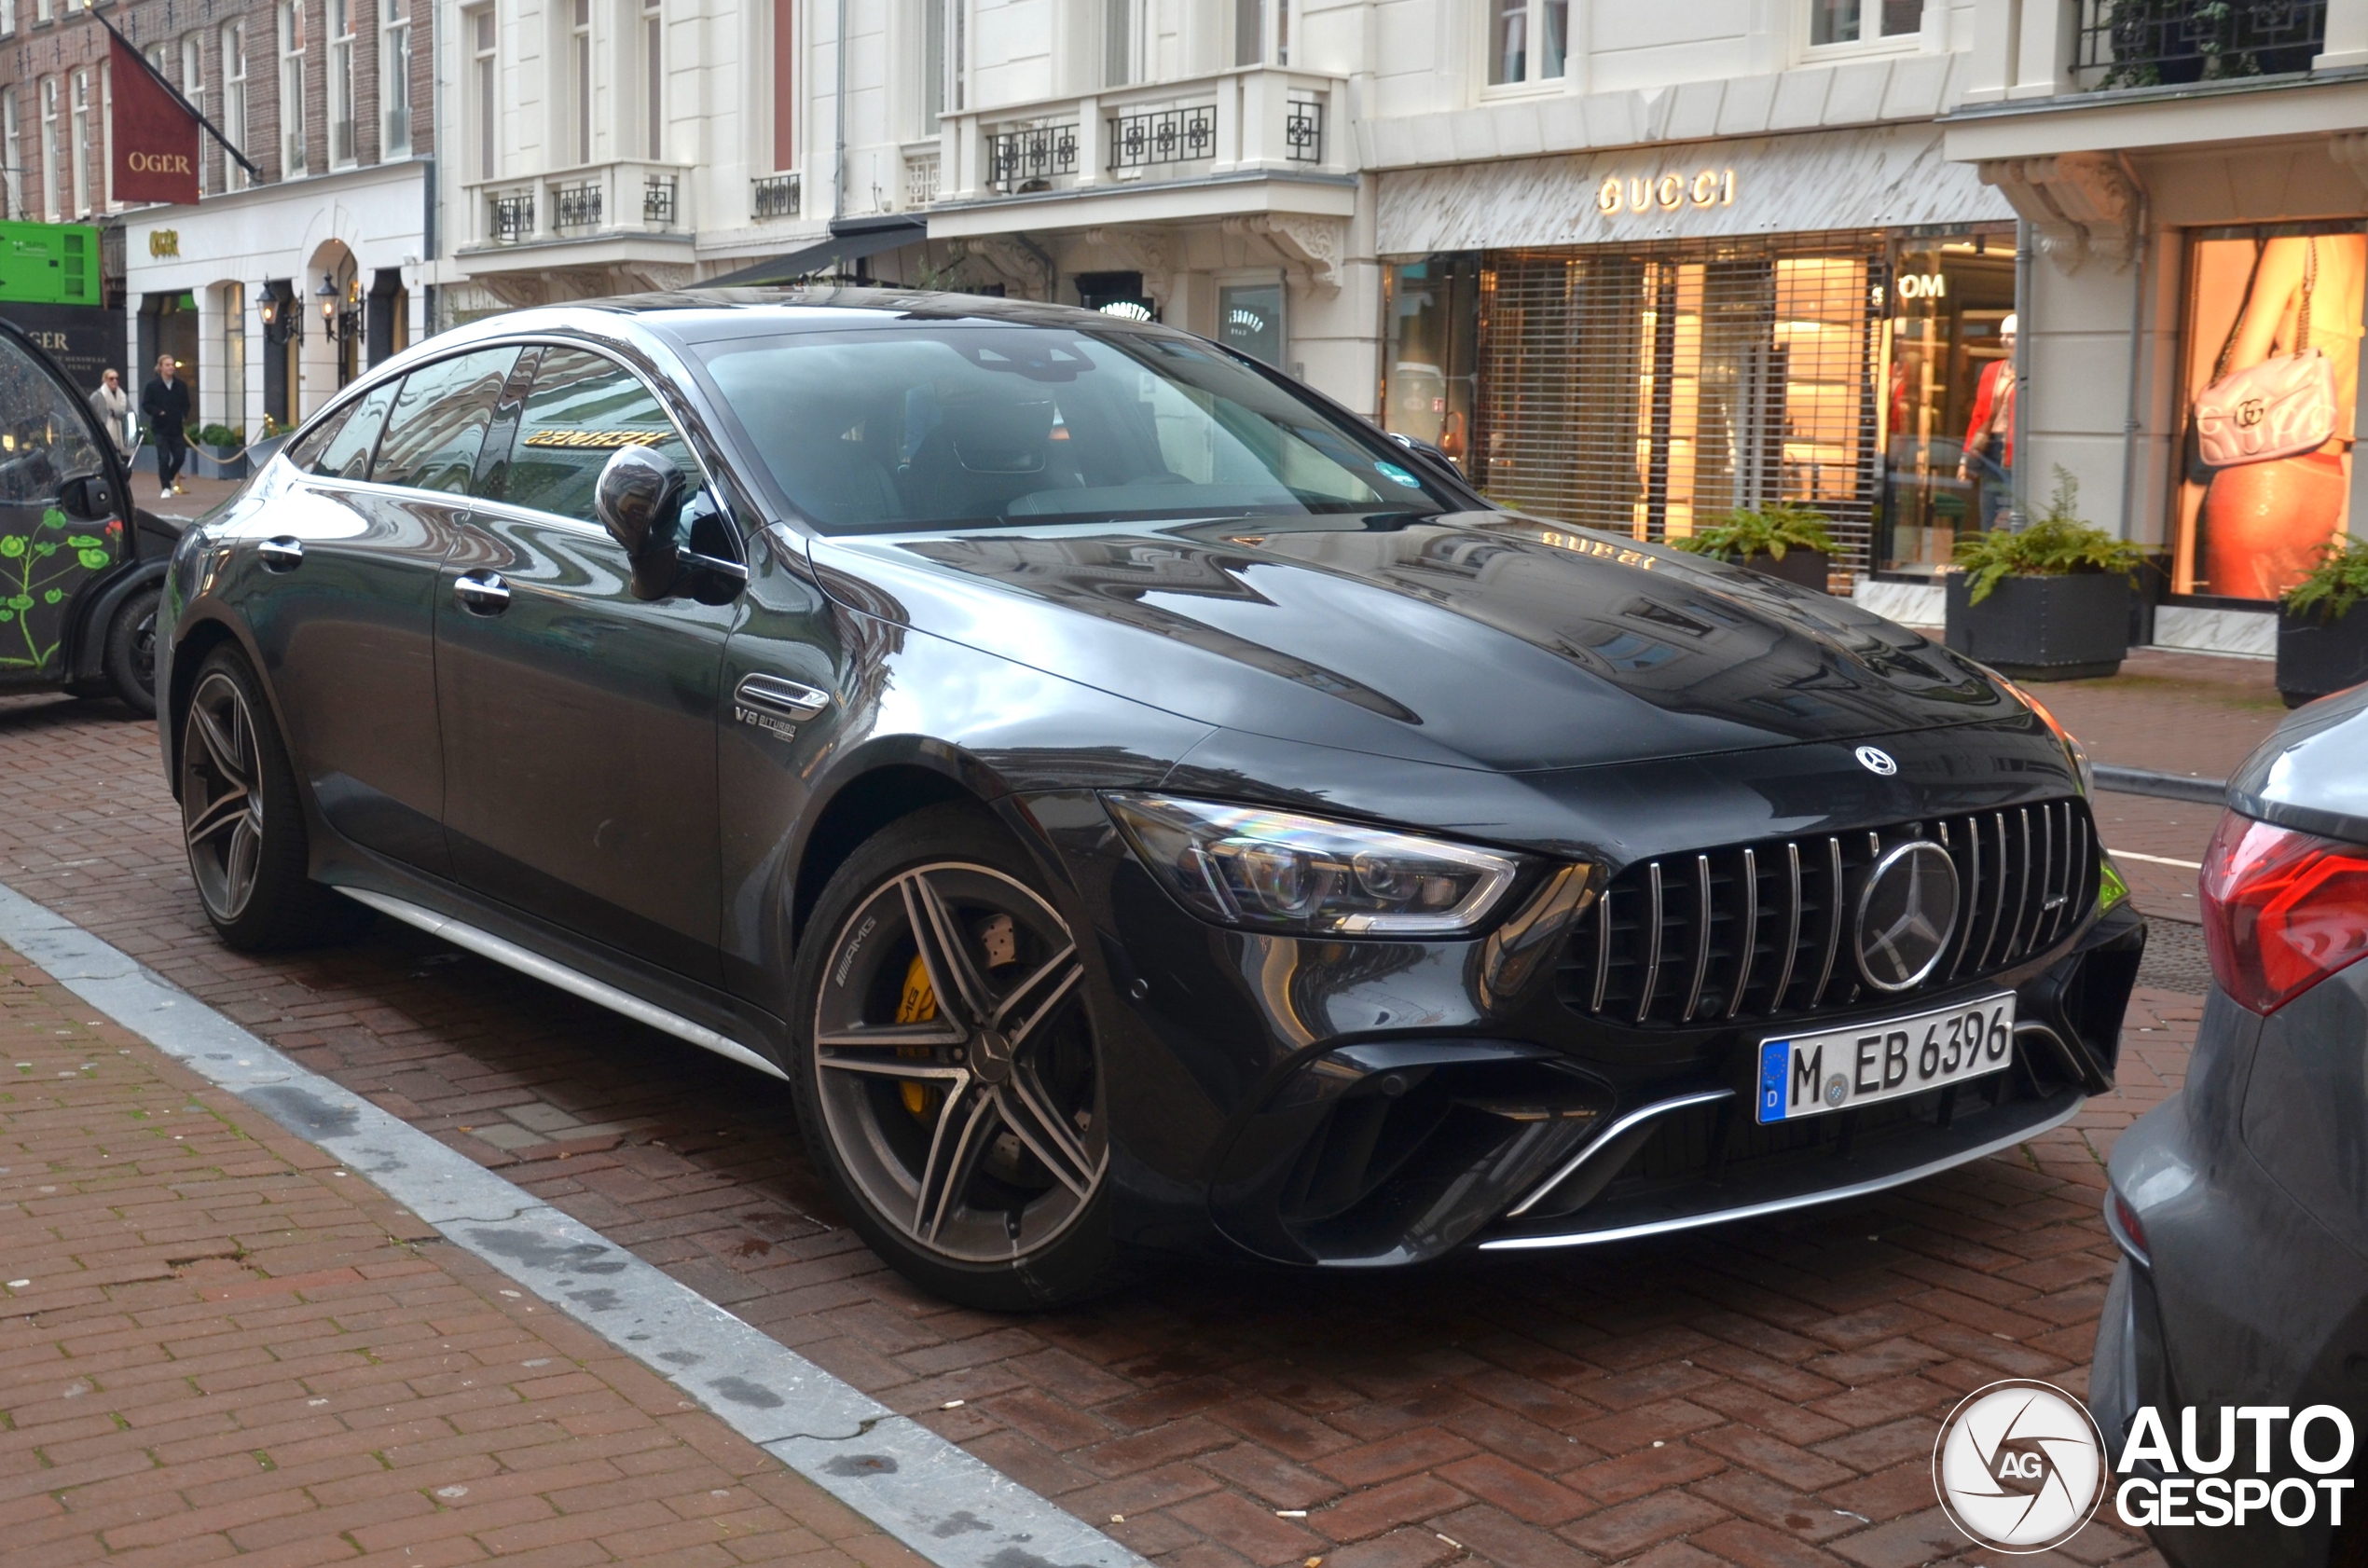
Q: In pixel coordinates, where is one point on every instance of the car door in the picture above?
(343, 610)
(579, 722)
(47, 442)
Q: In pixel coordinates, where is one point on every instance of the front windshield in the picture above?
(963, 426)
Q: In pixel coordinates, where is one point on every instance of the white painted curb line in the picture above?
(951, 1508)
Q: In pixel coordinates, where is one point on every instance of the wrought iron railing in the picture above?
(513, 218)
(776, 196)
(1304, 132)
(1163, 136)
(2148, 43)
(1029, 158)
(658, 201)
(576, 207)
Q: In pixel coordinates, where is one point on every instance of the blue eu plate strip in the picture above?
(1775, 1059)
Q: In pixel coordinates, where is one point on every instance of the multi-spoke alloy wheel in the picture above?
(954, 1066)
(222, 796)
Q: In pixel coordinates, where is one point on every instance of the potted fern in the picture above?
(1782, 540)
(220, 453)
(2049, 603)
(2322, 646)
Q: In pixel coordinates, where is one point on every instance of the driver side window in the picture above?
(46, 440)
(580, 410)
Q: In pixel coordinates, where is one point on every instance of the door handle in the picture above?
(481, 593)
(280, 555)
(789, 699)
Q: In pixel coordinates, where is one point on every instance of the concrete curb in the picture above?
(949, 1507)
(2163, 786)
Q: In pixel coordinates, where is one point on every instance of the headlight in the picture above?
(1276, 872)
(2074, 751)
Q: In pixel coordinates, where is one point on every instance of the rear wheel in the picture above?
(241, 820)
(947, 1081)
(131, 657)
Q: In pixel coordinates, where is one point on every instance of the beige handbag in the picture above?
(2282, 408)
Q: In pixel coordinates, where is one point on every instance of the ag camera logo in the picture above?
(2020, 1466)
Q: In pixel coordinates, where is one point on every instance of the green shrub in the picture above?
(2337, 581)
(1768, 531)
(221, 435)
(2059, 544)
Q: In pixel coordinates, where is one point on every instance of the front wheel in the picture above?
(947, 1081)
(131, 656)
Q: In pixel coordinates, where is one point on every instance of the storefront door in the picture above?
(1950, 299)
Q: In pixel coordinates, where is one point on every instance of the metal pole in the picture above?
(2019, 489)
(838, 176)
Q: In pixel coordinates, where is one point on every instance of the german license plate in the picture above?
(1810, 1074)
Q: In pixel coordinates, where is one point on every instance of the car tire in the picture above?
(129, 659)
(243, 821)
(965, 1142)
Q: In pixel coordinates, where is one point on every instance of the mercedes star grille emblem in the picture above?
(1877, 761)
(1907, 913)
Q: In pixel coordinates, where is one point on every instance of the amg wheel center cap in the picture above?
(991, 1056)
(1907, 913)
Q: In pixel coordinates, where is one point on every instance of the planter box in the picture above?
(218, 462)
(2042, 628)
(1806, 569)
(2317, 655)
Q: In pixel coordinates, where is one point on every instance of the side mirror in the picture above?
(87, 498)
(639, 500)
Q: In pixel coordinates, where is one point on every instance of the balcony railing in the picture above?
(1163, 136)
(2146, 43)
(776, 196)
(1248, 120)
(623, 199)
(576, 207)
(512, 218)
(1030, 157)
(920, 176)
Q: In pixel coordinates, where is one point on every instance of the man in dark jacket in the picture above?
(164, 403)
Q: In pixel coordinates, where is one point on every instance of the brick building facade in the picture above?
(331, 100)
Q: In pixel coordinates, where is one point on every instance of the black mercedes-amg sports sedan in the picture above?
(1136, 805)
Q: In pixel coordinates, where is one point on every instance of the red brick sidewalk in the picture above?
(218, 1344)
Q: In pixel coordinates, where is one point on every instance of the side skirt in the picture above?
(485, 944)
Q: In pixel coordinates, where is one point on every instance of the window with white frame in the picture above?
(342, 141)
(1121, 42)
(12, 149)
(653, 81)
(580, 75)
(81, 151)
(1528, 41)
(394, 79)
(485, 89)
(43, 10)
(933, 38)
(193, 89)
(7, 18)
(106, 133)
(1862, 22)
(234, 101)
(53, 158)
(292, 147)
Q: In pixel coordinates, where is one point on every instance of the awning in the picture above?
(851, 239)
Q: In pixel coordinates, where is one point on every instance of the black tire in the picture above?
(968, 1145)
(131, 657)
(243, 821)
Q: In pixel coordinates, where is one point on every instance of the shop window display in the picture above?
(1433, 317)
(2271, 377)
(1950, 396)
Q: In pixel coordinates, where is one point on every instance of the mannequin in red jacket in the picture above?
(1989, 454)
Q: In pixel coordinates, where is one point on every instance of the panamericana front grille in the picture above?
(1762, 930)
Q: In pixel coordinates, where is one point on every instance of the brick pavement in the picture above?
(1760, 1394)
(214, 1343)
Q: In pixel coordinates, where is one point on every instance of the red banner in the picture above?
(156, 139)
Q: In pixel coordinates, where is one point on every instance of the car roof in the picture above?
(697, 315)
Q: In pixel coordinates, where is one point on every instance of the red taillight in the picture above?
(2282, 910)
(2133, 1229)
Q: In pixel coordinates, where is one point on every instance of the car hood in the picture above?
(1478, 639)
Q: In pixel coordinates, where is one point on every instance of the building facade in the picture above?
(279, 285)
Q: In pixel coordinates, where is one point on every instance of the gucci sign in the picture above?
(1644, 193)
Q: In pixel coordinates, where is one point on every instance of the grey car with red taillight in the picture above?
(2241, 1205)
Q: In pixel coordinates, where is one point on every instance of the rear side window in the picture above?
(341, 448)
(580, 410)
(438, 424)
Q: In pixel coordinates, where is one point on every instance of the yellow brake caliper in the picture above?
(917, 1004)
